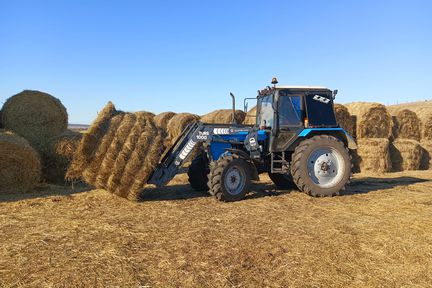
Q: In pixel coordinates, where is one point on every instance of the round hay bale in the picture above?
(57, 155)
(344, 119)
(178, 123)
(223, 116)
(372, 155)
(34, 115)
(426, 161)
(424, 113)
(250, 118)
(406, 125)
(406, 155)
(162, 119)
(373, 120)
(20, 167)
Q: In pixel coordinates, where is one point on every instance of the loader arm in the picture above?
(180, 152)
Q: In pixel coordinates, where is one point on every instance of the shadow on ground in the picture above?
(46, 190)
(370, 184)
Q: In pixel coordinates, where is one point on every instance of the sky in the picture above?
(187, 56)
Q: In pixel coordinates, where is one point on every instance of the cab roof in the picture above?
(302, 87)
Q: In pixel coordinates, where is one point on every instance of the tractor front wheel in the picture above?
(229, 178)
(197, 172)
(321, 166)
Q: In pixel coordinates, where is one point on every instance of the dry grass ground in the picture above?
(378, 235)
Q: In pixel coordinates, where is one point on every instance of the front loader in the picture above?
(296, 140)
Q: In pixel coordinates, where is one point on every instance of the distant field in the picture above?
(377, 235)
(78, 127)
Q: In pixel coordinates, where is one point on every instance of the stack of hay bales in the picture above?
(223, 116)
(424, 114)
(119, 152)
(405, 149)
(42, 120)
(250, 118)
(345, 120)
(162, 119)
(373, 130)
(20, 167)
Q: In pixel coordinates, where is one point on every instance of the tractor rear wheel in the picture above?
(229, 178)
(282, 181)
(197, 172)
(321, 166)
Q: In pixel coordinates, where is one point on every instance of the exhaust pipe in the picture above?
(233, 108)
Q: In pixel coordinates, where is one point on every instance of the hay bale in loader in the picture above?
(406, 124)
(119, 153)
(223, 116)
(162, 119)
(20, 167)
(34, 115)
(57, 155)
(372, 155)
(250, 118)
(372, 120)
(406, 154)
(344, 119)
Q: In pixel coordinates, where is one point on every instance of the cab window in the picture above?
(266, 113)
(290, 111)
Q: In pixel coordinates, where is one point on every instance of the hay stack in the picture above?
(223, 116)
(34, 115)
(406, 155)
(407, 125)
(344, 119)
(57, 155)
(373, 120)
(178, 123)
(20, 167)
(162, 119)
(372, 155)
(1, 125)
(250, 118)
(119, 152)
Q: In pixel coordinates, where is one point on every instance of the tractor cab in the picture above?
(285, 111)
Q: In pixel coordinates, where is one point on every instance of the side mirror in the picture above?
(335, 92)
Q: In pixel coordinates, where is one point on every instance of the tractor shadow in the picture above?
(371, 184)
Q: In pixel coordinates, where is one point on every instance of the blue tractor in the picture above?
(296, 140)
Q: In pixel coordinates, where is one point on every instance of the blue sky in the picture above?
(188, 55)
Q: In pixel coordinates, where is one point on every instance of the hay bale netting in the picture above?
(344, 119)
(372, 155)
(122, 151)
(372, 120)
(406, 155)
(20, 167)
(426, 161)
(57, 155)
(34, 115)
(162, 119)
(250, 118)
(407, 124)
(178, 123)
(223, 116)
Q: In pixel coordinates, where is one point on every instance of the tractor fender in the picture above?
(339, 133)
(246, 156)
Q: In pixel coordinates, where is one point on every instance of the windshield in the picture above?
(266, 113)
